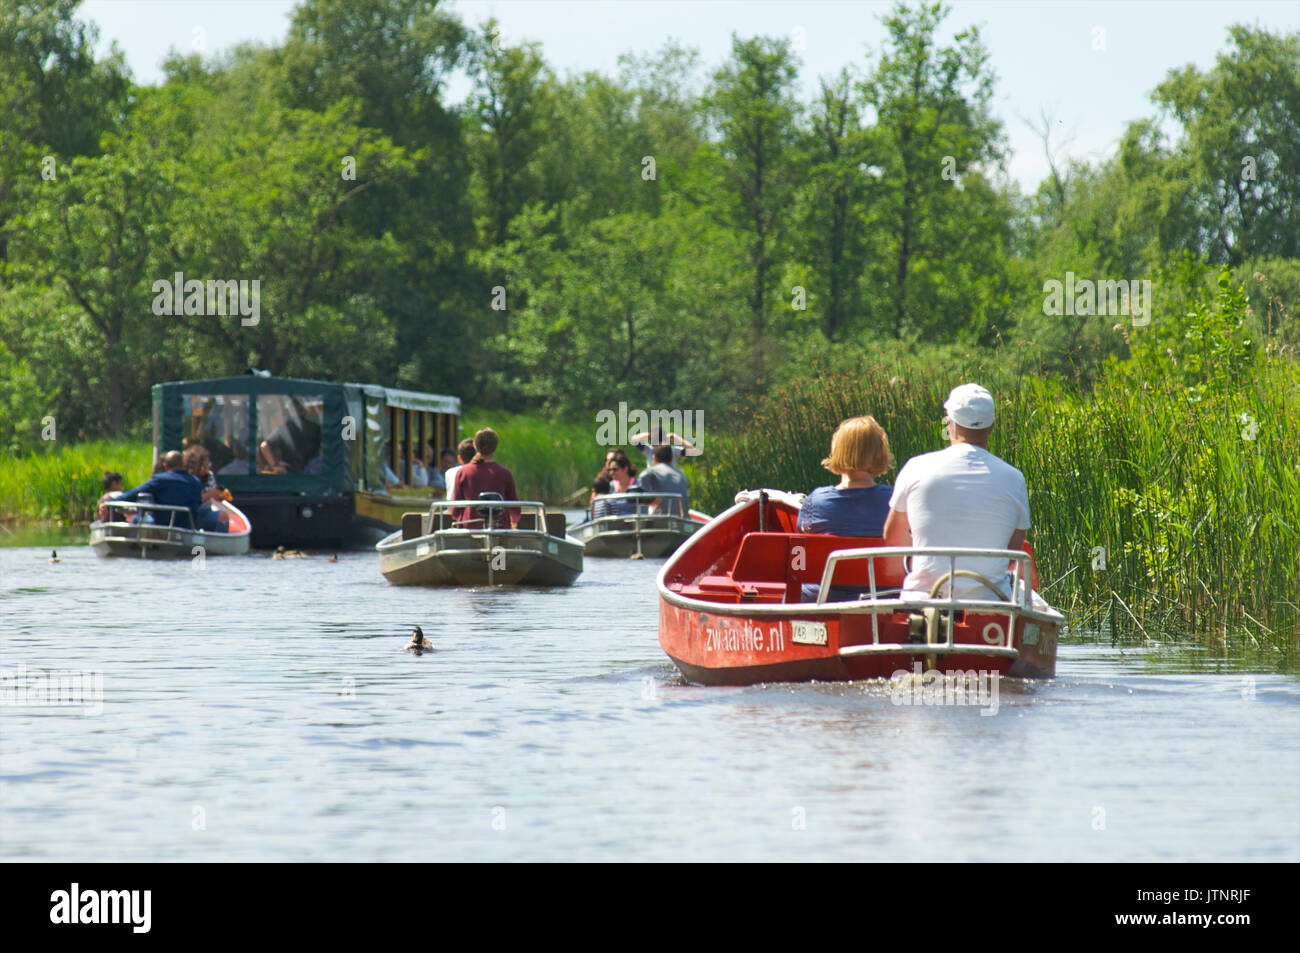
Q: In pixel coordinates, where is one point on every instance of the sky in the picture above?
(1090, 65)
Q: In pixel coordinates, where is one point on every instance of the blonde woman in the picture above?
(857, 505)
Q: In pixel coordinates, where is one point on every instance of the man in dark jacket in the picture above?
(173, 487)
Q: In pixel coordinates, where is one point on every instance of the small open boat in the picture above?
(638, 530)
(430, 550)
(157, 535)
(730, 609)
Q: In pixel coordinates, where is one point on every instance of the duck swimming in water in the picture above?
(418, 644)
(54, 556)
(282, 553)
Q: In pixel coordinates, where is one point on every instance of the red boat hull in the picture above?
(730, 613)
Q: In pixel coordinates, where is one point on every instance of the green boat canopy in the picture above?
(292, 435)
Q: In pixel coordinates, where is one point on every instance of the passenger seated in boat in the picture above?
(857, 505)
(622, 479)
(198, 462)
(112, 490)
(447, 462)
(391, 480)
(173, 487)
(621, 473)
(961, 496)
(464, 454)
(483, 475)
(419, 472)
(600, 508)
(434, 473)
(663, 477)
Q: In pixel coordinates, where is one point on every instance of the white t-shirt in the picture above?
(962, 496)
(449, 478)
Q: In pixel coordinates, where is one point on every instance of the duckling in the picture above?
(637, 556)
(418, 644)
(333, 559)
(282, 553)
(54, 556)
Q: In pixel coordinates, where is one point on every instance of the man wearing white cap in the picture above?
(962, 496)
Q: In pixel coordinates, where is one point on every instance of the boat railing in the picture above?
(1017, 601)
(641, 501)
(151, 531)
(534, 507)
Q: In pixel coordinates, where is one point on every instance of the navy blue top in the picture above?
(857, 511)
(171, 488)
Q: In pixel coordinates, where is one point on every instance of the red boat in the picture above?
(731, 609)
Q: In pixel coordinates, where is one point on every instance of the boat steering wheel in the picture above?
(966, 574)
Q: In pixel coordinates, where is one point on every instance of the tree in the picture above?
(56, 99)
(754, 113)
(1241, 149)
(942, 219)
(506, 118)
(832, 202)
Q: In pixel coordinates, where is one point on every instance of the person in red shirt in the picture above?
(482, 475)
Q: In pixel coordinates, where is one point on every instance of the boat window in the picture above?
(289, 429)
(376, 443)
(220, 423)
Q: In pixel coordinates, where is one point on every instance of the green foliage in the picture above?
(1195, 344)
(1240, 153)
(63, 482)
(552, 460)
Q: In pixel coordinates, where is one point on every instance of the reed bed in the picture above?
(551, 460)
(65, 482)
(1158, 513)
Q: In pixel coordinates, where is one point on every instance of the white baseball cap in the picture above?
(970, 406)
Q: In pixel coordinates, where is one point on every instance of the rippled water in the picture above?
(263, 710)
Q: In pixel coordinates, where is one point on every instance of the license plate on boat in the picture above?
(808, 633)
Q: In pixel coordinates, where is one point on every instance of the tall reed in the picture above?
(1155, 510)
(65, 482)
(550, 460)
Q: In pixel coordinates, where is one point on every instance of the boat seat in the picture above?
(556, 524)
(793, 559)
(526, 521)
(412, 525)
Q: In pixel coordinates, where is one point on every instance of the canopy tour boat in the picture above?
(149, 530)
(470, 543)
(621, 525)
(313, 464)
(733, 608)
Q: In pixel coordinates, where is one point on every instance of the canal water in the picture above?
(255, 709)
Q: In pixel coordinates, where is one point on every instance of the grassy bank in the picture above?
(1157, 509)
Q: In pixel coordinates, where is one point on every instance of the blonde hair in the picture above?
(859, 443)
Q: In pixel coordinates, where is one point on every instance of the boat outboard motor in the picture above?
(487, 511)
